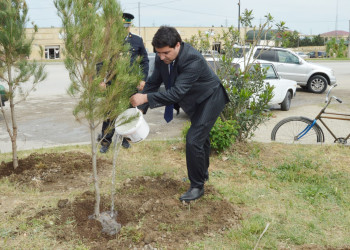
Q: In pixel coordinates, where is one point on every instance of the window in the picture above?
(266, 54)
(52, 52)
(270, 72)
(286, 57)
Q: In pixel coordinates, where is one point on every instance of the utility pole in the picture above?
(239, 19)
(139, 20)
(336, 23)
(349, 42)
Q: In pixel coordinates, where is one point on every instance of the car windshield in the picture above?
(270, 72)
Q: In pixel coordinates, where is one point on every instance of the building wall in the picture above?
(50, 38)
(147, 33)
(45, 38)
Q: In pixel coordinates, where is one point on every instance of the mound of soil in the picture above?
(52, 171)
(150, 214)
(148, 208)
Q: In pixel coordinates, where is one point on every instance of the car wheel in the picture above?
(285, 105)
(317, 84)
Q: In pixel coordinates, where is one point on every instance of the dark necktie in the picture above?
(168, 113)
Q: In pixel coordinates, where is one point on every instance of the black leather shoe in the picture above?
(125, 143)
(104, 148)
(192, 194)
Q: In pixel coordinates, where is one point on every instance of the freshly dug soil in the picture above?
(148, 208)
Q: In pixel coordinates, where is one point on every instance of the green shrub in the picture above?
(222, 135)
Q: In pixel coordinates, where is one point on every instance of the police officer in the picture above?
(137, 49)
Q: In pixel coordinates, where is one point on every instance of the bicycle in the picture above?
(303, 130)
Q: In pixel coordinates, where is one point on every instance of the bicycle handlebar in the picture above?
(328, 101)
(339, 100)
(329, 91)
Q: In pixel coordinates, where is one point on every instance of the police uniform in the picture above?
(137, 49)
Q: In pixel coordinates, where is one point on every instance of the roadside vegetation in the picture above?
(300, 196)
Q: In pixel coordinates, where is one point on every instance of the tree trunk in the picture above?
(13, 122)
(94, 169)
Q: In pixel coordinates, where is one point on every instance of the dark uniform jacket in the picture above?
(192, 79)
(138, 49)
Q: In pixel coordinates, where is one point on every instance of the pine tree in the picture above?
(15, 69)
(94, 34)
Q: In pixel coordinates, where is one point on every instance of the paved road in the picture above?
(46, 119)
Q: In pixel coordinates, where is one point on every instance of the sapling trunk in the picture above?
(13, 135)
(117, 144)
(94, 170)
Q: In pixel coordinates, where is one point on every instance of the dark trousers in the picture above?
(107, 131)
(197, 139)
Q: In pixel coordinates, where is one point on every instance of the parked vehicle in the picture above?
(289, 65)
(151, 58)
(3, 95)
(284, 89)
(302, 54)
(317, 54)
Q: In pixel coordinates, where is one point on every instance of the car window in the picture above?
(287, 57)
(270, 73)
(265, 54)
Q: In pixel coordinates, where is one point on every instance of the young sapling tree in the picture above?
(94, 35)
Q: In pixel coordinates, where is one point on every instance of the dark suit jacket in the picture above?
(192, 79)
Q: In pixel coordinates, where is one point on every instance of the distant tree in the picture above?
(306, 41)
(336, 48)
(15, 69)
(94, 34)
(317, 40)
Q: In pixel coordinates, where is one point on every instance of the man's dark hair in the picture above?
(166, 36)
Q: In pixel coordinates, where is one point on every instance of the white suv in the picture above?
(289, 65)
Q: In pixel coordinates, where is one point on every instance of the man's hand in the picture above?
(138, 99)
(141, 85)
(103, 86)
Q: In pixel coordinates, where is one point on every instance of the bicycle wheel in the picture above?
(289, 130)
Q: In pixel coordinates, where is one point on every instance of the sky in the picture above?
(309, 17)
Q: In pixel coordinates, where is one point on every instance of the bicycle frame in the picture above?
(325, 115)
